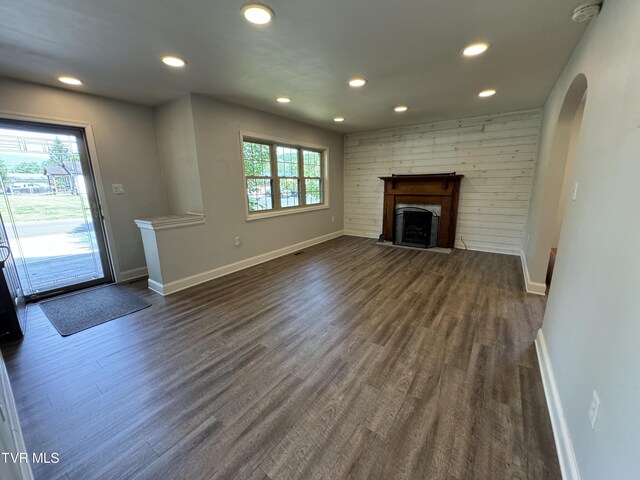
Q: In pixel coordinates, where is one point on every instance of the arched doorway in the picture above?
(571, 119)
(553, 186)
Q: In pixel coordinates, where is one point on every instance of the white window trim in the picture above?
(291, 210)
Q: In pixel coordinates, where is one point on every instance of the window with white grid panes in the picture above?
(282, 177)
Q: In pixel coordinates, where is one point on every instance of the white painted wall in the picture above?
(592, 321)
(495, 153)
(195, 251)
(127, 153)
(177, 149)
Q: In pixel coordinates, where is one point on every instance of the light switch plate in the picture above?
(594, 409)
(574, 191)
(117, 188)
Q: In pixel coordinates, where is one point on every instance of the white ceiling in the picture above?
(409, 50)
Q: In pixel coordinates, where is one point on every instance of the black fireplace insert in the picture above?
(416, 227)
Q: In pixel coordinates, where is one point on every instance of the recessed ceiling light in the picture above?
(172, 61)
(257, 14)
(357, 82)
(338, 119)
(487, 93)
(70, 80)
(401, 108)
(475, 49)
(283, 99)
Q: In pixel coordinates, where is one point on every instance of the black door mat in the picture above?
(78, 311)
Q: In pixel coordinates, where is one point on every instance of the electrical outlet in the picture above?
(574, 191)
(236, 241)
(594, 408)
(117, 188)
(333, 219)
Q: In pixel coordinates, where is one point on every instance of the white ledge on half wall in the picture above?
(171, 221)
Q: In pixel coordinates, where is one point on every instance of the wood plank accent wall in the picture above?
(495, 153)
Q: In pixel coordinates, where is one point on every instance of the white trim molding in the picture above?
(193, 280)
(561, 434)
(158, 287)
(536, 288)
(132, 274)
(276, 213)
(169, 222)
(459, 245)
(486, 248)
(358, 234)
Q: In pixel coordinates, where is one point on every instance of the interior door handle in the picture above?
(5, 252)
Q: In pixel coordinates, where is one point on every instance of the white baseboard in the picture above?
(360, 234)
(181, 284)
(157, 287)
(484, 248)
(564, 445)
(536, 288)
(133, 274)
(459, 246)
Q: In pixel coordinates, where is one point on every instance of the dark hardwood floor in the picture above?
(349, 360)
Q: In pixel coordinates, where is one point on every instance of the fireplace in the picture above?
(416, 227)
(406, 196)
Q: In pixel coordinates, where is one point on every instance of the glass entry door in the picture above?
(50, 208)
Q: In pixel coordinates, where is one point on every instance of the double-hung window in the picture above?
(281, 177)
